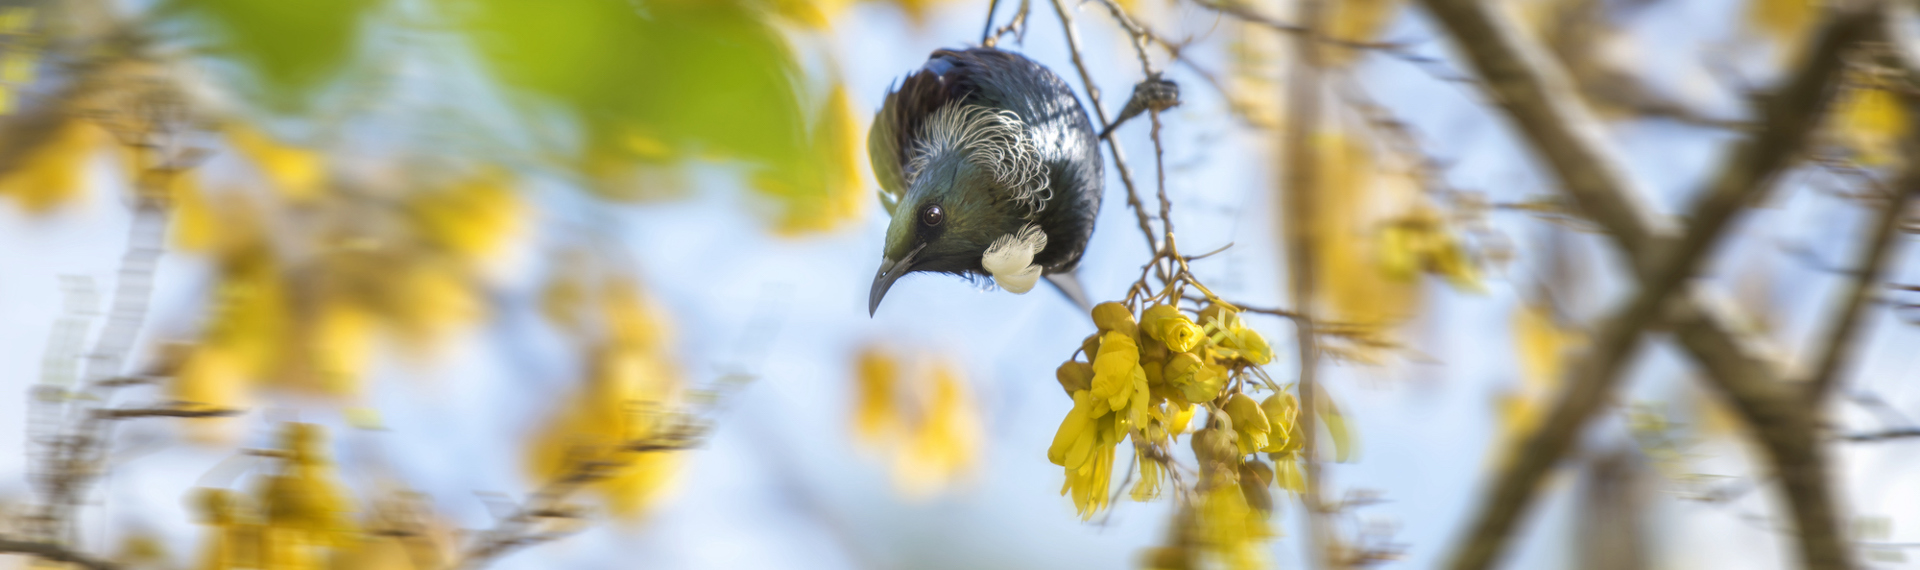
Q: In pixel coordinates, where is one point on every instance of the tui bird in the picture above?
(989, 167)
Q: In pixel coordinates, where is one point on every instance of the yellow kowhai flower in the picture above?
(472, 219)
(1421, 242)
(930, 428)
(874, 411)
(1118, 380)
(1196, 380)
(1172, 416)
(307, 509)
(1084, 445)
(1232, 337)
(1280, 411)
(1074, 376)
(232, 537)
(944, 444)
(1249, 422)
(54, 172)
(1112, 316)
(1164, 323)
(1148, 487)
(1231, 530)
(298, 174)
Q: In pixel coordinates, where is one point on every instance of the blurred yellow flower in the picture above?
(1872, 123)
(307, 511)
(925, 421)
(54, 173)
(630, 387)
(1230, 530)
(298, 174)
(473, 218)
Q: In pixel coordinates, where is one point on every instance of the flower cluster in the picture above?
(1145, 380)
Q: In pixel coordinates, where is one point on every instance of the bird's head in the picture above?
(953, 211)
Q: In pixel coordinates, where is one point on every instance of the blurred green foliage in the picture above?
(292, 48)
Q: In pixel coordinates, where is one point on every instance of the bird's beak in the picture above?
(890, 271)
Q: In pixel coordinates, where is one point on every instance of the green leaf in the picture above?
(650, 79)
(291, 48)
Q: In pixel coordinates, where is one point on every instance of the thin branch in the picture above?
(1884, 435)
(54, 553)
(986, 31)
(1093, 97)
(1874, 262)
(1402, 51)
(131, 413)
(528, 524)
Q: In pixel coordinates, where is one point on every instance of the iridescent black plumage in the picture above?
(1060, 135)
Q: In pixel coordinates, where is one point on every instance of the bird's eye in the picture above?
(933, 215)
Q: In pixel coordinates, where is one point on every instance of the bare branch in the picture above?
(1885, 435)
(1093, 97)
(131, 413)
(534, 521)
(54, 553)
(1873, 265)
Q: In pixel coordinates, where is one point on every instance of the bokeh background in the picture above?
(452, 232)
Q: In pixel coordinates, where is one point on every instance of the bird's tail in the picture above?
(1069, 284)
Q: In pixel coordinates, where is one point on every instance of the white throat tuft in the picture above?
(1010, 259)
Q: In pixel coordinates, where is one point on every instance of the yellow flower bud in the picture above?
(1113, 316)
(1165, 324)
(1091, 345)
(1215, 443)
(1074, 376)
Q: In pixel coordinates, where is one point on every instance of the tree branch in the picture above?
(1886, 435)
(1298, 194)
(54, 553)
(1093, 98)
(1538, 98)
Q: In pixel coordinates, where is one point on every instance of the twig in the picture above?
(1100, 112)
(131, 413)
(1433, 66)
(526, 525)
(1874, 261)
(1884, 435)
(54, 553)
